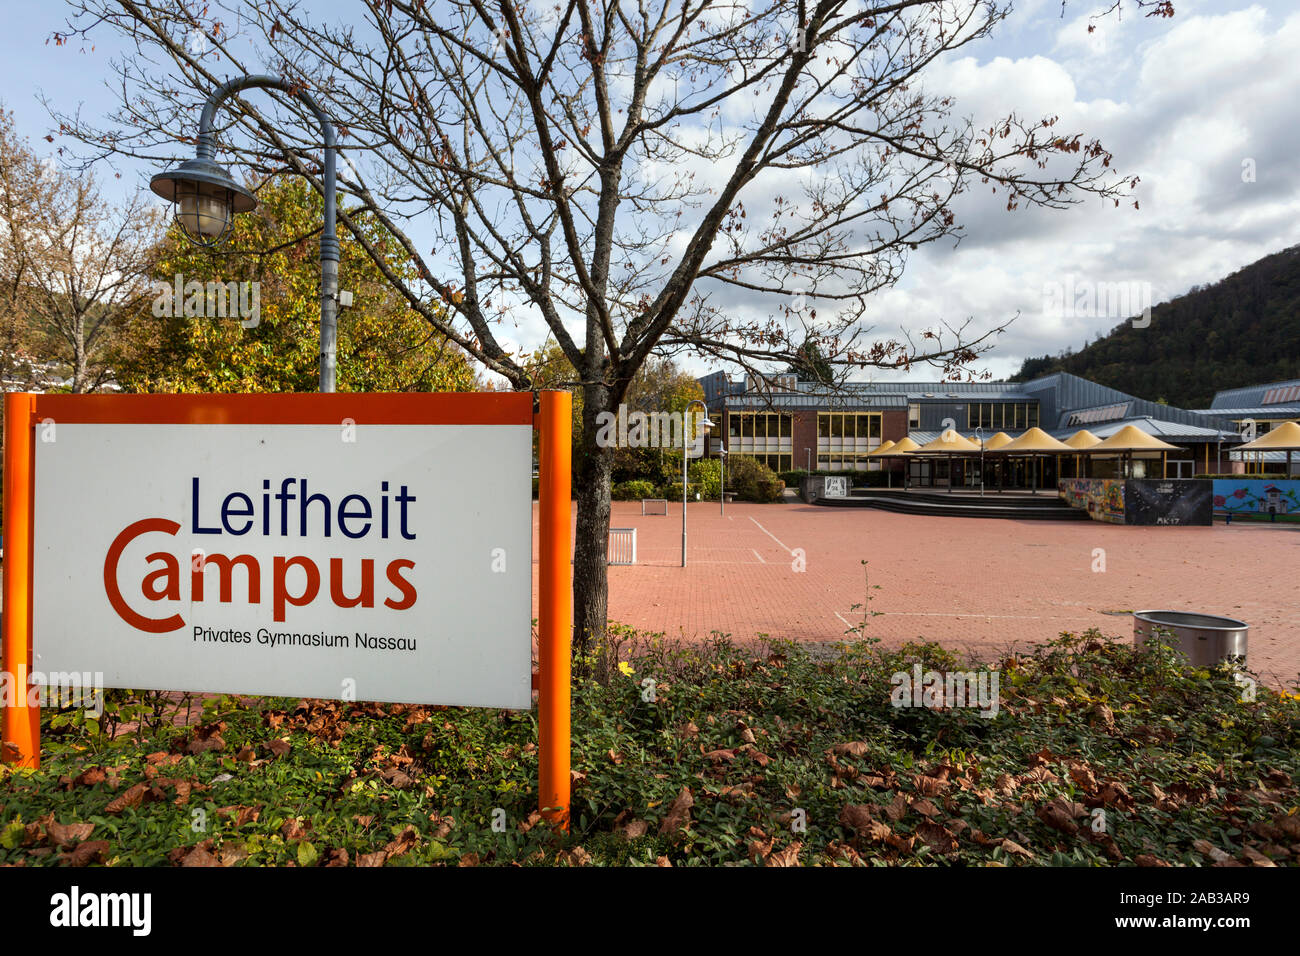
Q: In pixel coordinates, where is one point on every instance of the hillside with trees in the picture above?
(1241, 330)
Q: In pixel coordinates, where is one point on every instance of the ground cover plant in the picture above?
(770, 753)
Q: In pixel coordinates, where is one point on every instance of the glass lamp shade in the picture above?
(204, 197)
(204, 211)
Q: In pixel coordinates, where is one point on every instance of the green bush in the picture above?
(1079, 722)
(706, 477)
(752, 480)
(632, 490)
(655, 465)
(673, 491)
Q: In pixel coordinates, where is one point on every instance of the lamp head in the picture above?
(205, 198)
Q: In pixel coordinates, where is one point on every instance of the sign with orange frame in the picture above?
(356, 547)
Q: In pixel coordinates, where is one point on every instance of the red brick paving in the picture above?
(983, 585)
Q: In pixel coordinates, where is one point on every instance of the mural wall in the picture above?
(1173, 501)
(1102, 498)
(1142, 501)
(1257, 498)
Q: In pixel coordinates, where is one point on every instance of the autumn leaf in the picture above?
(83, 854)
(131, 798)
(855, 748)
(787, 856)
(65, 833)
(679, 813)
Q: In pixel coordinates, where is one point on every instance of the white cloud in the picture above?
(1208, 92)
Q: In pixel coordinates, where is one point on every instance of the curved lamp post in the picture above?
(706, 425)
(207, 199)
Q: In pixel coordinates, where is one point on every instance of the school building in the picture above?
(790, 424)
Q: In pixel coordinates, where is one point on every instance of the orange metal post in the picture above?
(20, 725)
(555, 603)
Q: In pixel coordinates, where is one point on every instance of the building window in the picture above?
(764, 436)
(913, 416)
(1013, 416)
(845, 438)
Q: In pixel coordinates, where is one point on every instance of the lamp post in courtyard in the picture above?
(207, 198)
(722, 482)
(686, 457)
(979, 436)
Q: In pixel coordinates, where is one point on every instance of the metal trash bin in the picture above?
(1204, 639)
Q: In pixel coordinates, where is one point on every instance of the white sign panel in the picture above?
(836, 487)
(393, 563)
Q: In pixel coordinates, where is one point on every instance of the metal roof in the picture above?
(1255, 395)
(1170, 431)
(1254, 411)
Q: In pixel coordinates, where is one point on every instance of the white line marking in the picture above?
(770, 534)
(841, 617)
(759, 556)
(1011, 617)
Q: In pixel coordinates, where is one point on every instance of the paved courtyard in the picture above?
(979, 584)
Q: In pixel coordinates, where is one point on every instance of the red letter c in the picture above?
(129, 534)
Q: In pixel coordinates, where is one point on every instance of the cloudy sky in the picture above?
(1202, 107)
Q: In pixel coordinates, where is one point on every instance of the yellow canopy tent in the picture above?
(996, 441)
(1078, 441)
(883, 452)
(993, 443)
(901, 448)
(1032, 444)
(1129, 439)
(949, 443)
(1082, 439)
(1285, 437)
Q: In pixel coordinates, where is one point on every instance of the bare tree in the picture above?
(73, 267)
(622, 176)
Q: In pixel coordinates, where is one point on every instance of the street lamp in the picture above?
(705, 424)
(722, 484)
(979, 434)
(206, 200)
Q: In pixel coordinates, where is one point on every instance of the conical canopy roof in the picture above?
(1131, 438)
(904, 446)
(881, 451)
(948, 442)
(1082, 439)
(1283, 437)
(996, 441)
(1034, 441)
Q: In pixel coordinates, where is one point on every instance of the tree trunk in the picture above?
(80, 360)
(590, 581)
